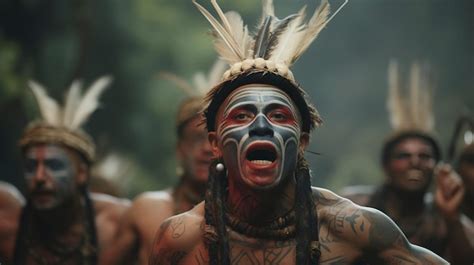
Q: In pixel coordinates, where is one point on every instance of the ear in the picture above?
(82, 173)
(213, 141)
(304, 141)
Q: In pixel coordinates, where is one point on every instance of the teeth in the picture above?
(261, 162)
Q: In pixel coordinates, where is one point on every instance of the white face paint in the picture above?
(259, 132)
(49, 173)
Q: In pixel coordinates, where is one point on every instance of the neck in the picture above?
(189, 193)
(401, 203)
(260, 206)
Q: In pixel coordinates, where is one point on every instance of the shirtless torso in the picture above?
(108, 212)
(347, 233)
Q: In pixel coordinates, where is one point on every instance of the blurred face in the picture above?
(194, 151)
(258, 134)
(50, 175)
(411, 165)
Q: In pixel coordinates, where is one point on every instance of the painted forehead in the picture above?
(47, 150)
(258, 94)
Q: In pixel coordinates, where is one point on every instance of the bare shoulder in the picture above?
(177, 235)
(371, 232)
(10, 197)
(110, 206)
(152, 199)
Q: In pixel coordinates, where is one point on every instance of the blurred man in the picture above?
(11, 202)
(260, 207)
(409, 159)
(61, 223)
(151, 208)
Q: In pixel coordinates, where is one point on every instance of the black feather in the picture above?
(262, 38)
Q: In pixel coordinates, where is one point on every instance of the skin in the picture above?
(54, 175)
(410, 171)
(149, 209)
(11, 202)
(347, 232)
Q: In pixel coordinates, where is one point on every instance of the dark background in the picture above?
(344, 71)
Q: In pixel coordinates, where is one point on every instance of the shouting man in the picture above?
(260, 207)
(61, 222)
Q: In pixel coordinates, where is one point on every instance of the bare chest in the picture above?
(278, 253)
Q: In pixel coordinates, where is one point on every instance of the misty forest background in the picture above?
(344, 71)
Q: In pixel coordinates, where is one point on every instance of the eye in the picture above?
(54, 164)
(402, 156)
(425, 156)
(278, 116)
(242, 116)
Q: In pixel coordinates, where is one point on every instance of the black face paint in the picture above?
(259, 134)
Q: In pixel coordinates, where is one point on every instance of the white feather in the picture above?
(71, 102)
(226, 45)
(395, 103)
(414, 104)
(317, 22)
(49, 108)
(240, 33)
(89, 102)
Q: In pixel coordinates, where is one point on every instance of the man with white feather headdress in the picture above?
(409, 159)
(194, 157)
(260, 207)
(61, 222)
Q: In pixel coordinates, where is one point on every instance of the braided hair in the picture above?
(307, 231)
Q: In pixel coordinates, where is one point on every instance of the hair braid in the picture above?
(90, 226)
(20, 244)
(214, 214)
(307, 229)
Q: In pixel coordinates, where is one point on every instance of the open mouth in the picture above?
(261, 154)
(415, 175)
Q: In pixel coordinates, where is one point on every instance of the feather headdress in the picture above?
(200, 84)
(275, 47)
(63, 124)
(414, 112)
(411, 114)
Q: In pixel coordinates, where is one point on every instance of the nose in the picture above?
(414, 160)
(261, 127)
(40, 173)
(206, 147)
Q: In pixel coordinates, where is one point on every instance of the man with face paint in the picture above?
(260, 207)
(409, 159)
(194, 155)
(11, 202)
(61, 222)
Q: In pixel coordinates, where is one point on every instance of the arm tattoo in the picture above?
(162, 255)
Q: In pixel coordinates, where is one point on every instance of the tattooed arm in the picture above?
(177, 237)
(384, 241)
(373, 235)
